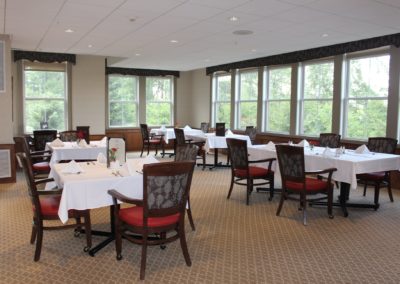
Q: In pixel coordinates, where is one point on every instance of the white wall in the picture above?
(183, 100)
(6, 110)
(200, 97)
(89, 93)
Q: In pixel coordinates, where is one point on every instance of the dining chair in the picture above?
(205, 127)
(45, 204)
(296, 180)
(39, 160)
(331, 140)
(166, 189)
(84, 132)
(242, 173)
(151, 140)
(181, 140)
(69, 136)
(379, 179)
(251, 131)
(187, 152)
(41, 137)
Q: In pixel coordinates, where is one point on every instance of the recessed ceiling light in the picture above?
(69, 31)
(90, 46)
(253, 50)
(242, 32)
(324, 35)
(132, 19)
(233, 19)
(173, 41)
(137, 54)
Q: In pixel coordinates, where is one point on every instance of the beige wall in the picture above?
(6, 121)
(89, 93)
(183, 100)
(200, 97)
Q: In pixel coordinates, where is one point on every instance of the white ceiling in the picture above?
(201, 27)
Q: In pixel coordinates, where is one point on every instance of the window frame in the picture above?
(238, 97)
(214, 100)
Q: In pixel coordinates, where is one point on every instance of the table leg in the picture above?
(110, 235)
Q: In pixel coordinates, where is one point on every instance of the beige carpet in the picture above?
(233, 243)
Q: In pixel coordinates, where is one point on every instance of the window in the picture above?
(247, 99)
(45, 96)
(222, 99)
(277, 100)
(316, 98)
(159, 101)
(366, 96)
(122, 101)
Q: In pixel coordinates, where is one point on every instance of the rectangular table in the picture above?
(169, 133)
(88, 190)
(348, 166)
(71, 151)
(217, 142)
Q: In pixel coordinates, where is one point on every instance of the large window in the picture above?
(122, 101)
(45, 96)
(222, 99)
(159, 101)
(277, 99)
(247, 99)
(366, 96)
(316, 98)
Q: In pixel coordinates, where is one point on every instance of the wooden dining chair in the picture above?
(242, 173)
(166, 188)
(251, 131)
(205, 127)
(181, 140)
(41, 137)
(151, 140)
(331, 140)
(297, 181)
(379, 179)
(45, 204)
(69, 136)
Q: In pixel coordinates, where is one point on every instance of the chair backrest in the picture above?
(84, 132)
(41, 137)
(251, 131)
(186, 152)
(145, 131)
(69, 136)
(220, 129)
(30, 181)
(291, 163)
(117, 148)
(331, 140)
(179, 136)
(23, 145)
(382, 145)
(204, 126)
(238, 153)
(166, 188)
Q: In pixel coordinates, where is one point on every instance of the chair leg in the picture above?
(249, 190)
(230, 189)
(182, 238)
(204, 160)
(376, 196)
(365, 188)
(144, 255)
(330, 202)
(271, 188)
(280, 203)
(389, 189)
(190, 217)
(39, 240)
(142, 150)
(34, 231)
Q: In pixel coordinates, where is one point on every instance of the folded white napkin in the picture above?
(270, 145)
(57, 143)
(103, 141)
(187, 127)
(101, 158)
(82, 143)
(228, 132)
(363, 149)
(303, 143)
(72, 168)
(163, 127)
(328, 152)
(135, 166)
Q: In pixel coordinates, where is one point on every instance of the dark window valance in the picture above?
(141, 72)
(46, 57)
(309, 54)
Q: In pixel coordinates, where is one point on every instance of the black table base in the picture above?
(216, 164)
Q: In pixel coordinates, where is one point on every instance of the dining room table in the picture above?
(87, 185)
(75, 151)
(215, 143)
(348, 162)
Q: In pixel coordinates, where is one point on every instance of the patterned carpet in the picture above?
(233, 243)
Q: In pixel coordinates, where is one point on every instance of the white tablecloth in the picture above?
(218, 142)
(348, 165)
(71, 151)
(169, 133)
(88, 190)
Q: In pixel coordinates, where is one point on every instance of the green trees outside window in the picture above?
(159, 101)
(247, 103)
(222, 99)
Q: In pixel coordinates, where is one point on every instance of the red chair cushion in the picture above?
(49, 205)
(134, 216)
(42, 166)
(254, 172)
(312, 184)
(377, 176)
